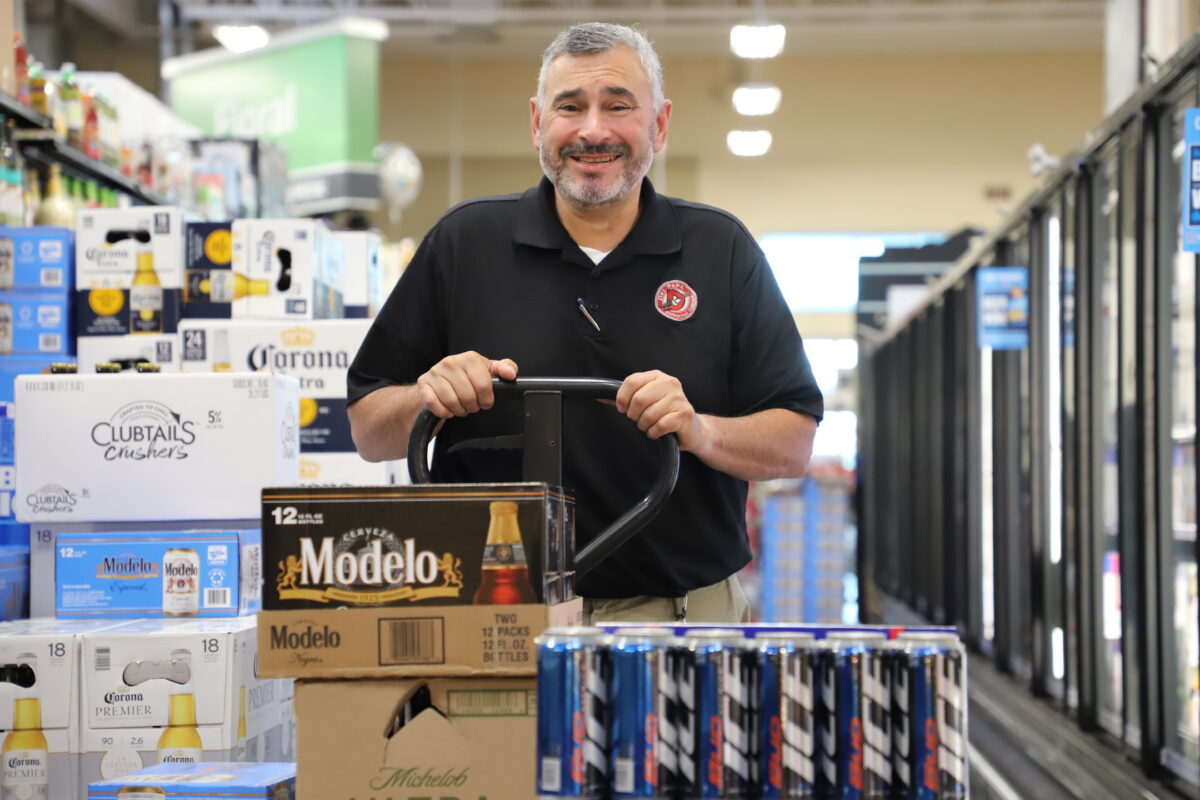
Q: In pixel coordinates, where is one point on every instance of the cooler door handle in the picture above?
(628, 523)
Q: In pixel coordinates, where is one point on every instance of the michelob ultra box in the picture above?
(416, 739)
(35, 322)
(128, 270)
(40, 705)
(175, 691)
(37, 258)
(271, 781)
(135, 447)
(431, 544)
(129, 351)
(14, 581)
(360, 271)
(292, 270)
(209, 283)
(317, 353)
(158, 573)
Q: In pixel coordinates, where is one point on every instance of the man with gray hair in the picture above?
(593, 273)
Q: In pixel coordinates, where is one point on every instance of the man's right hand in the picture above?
(461, 384)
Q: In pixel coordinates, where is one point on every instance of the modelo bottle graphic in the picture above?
(25, 756)
(180, 742)
(505, 579)
(181, 582)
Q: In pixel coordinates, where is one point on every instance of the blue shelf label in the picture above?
(1191, 181)
(1003, 313)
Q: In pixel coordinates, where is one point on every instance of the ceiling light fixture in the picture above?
(756, 99)
(241, 38)
(748, 143)
(757, 41)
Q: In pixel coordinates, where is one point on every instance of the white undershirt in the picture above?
(595, 255)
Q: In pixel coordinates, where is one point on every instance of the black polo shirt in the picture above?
(500, 275)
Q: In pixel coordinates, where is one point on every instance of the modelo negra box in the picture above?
(431, 544)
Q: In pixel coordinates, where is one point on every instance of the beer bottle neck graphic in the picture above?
(145, 268)
(182, 711)
(505, 578)
(27, 714)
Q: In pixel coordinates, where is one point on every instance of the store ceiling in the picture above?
(482, 28)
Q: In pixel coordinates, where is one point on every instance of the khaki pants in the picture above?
(721, 602)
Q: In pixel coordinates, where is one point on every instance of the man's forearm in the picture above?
(381, 421)
(775, 443)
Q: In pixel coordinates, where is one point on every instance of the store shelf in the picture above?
(22, 114)
(37, 139)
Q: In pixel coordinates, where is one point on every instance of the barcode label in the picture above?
(52, 276)
(218, 597)
(488, 703)
(411, 641)
(551, 775)
(623, 779)
(49, 342)
(103, 659)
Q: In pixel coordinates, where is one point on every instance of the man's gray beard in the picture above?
(586, 194)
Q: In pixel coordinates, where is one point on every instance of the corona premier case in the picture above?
(178, 692)
(133, 447)
(39, 710)
(427, 545)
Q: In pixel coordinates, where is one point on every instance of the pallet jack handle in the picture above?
(628, 523)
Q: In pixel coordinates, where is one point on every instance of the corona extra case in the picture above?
(292, 270)
(435, 545)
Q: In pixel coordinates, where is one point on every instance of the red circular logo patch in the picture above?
(676, 300)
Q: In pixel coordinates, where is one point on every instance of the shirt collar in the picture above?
(656, 231)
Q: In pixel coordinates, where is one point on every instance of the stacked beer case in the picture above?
(36, 274)
(408, 615)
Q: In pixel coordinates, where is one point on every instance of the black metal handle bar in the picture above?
(628, 523)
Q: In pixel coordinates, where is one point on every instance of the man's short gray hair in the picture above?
(600, 37)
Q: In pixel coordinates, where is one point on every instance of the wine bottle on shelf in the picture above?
(21, 64)
(72, 103)
(55, 208)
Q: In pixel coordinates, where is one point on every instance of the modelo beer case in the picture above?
(424, 545)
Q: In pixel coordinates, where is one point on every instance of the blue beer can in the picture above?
(786, 736)
(850, 662)
(573, 714)
(715, 676)
(877, 721)
(643, 749)
(928, 717)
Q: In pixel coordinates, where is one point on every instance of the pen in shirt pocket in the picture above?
(582, 306)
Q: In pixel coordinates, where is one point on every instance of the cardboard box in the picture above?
(12, 366)
(152, 447)
(35, 322)
(272, 781)
(112, 297)
(428, 545)
(398, 642)
(360, 272)
(42, 539)
(209, 283)
(129, 351)
(293, 268)
(132, 672)
(343, 469)
(317, 353)
(51, 649)
(8, 61)
(158, 573)
(14, 581)
(481, 744)
(37, 258)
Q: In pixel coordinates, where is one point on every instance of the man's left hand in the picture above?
(656, 402)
